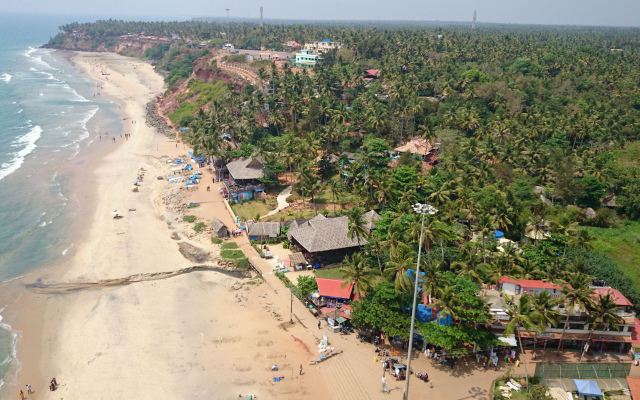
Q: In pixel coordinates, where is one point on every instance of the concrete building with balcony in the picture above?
(306, 59)
(514, 287)
(578, 332)
(323, 46)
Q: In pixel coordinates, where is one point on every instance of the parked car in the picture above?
(399, 370)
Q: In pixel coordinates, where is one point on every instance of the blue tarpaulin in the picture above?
(587, 388)
(430, 314)
(498, 234)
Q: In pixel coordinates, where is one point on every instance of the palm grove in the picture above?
(515, 108)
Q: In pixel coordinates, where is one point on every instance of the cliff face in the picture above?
(129, 47)
(204, 69)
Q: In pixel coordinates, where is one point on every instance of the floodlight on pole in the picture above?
(424, 209)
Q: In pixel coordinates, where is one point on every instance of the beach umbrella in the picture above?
(115, 212)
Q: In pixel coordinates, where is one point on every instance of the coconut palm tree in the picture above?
(576, 296)
(434, 280)
(401, 261)
(544, 311)
(537, 229)
(483, 228)
(355, 226)
(603, 314)
(447, 302)
(567, 228)
(583, 239)
(521, 318)
(356, 270)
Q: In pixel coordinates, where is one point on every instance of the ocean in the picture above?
(49, 115)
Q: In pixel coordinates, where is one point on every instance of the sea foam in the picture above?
(29, 142)
(6, 78)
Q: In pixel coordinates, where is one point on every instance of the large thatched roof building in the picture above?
(246, 168)
(324, 239)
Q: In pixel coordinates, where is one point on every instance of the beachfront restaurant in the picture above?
(578, 333)
(331, 299)
(243, 182)
(324, 241)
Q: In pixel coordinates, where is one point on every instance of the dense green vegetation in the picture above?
(206, 93)
(515, 113)
(621, 243)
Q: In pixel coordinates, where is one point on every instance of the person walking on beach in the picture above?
(300, 369)
(385, 388)
(29, 389)
(22, 395)
(319, 323)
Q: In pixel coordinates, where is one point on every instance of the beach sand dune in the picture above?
(128, 316)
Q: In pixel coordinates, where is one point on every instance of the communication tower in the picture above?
(261, 16)
(473, 23)
(228, 28)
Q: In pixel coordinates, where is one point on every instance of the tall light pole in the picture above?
(423, 209)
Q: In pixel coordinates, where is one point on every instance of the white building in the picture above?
(323, 46)
(514, 287)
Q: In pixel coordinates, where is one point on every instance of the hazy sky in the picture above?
(573, 12)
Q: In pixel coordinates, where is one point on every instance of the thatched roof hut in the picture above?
(219, 228)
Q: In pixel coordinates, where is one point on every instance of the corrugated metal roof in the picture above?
(528, 283)
(615, 294)
(634, 386)
(331, 288)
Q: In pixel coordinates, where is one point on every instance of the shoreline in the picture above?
(181, 336)
(17, 298)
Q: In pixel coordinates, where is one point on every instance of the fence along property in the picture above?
(610, 376)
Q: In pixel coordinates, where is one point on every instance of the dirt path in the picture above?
(282, 201)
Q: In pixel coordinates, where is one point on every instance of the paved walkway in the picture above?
(282, 201)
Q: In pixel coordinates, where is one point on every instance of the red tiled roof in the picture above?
(634, 386)
(617, 296)
(528, 283)
(372, 72)
(331, 288)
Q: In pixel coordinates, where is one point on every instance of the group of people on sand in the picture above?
(236, 232)
(113, 138)
(52, 386)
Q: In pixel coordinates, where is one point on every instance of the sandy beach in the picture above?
(110, 324)
(142, 308)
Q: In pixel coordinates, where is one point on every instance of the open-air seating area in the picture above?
(234, 188)
(282, 269)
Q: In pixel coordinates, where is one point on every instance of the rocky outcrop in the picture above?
(193, 253)
(154, 120)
